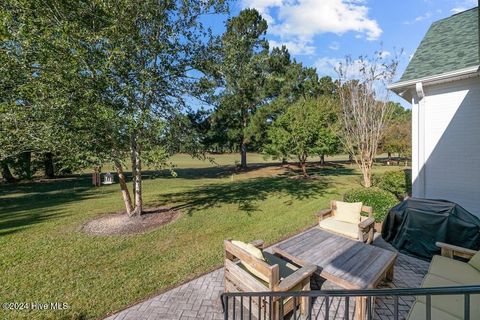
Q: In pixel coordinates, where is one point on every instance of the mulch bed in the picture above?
(121, 224)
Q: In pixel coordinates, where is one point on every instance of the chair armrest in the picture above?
(366, 224)
(323, 213)
(449, 250)
(295, 278)
(257, 243)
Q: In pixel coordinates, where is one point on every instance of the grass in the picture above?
(44, 258)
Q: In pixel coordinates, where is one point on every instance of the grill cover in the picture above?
(414, 225)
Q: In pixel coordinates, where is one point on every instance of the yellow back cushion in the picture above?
(348, 212)
(255, 252)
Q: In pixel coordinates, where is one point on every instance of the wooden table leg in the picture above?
(390, 272)
(360, 308)
(304, 301)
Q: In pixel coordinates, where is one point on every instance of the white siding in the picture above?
(450, 159)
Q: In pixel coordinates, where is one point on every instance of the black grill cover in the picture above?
(414, 225)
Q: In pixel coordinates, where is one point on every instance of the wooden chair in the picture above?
(363, 231)
(238, 279)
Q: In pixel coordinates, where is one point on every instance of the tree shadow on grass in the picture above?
(246, 193)
(316, 170)
(25, 204)
(217, 171)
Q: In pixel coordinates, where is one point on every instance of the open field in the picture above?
(44, 257)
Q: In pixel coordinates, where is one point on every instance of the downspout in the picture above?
(420, 99)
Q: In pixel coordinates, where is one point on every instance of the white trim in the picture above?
(447, 76)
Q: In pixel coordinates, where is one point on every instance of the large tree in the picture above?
(242, 74)
(307, 128)
(110, 75)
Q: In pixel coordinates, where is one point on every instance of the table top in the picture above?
(350, 264)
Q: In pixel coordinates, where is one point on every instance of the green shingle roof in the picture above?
(450, 44)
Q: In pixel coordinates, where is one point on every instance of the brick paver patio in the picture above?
(200, 298)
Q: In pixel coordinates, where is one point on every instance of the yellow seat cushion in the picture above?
(418, 312)
(341, 227)
(451, 304)
(454, 270)
(475, 261)
(348, 212)
(254, 252)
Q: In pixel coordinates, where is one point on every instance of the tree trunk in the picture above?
(303, 164)
(6, 173)
(322, 160)
(243, 154)
(26, 161)
(123, 187)
(367, 176)
(137, 175)
(49, 169)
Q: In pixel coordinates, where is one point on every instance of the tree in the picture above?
(365, 108)
(287, 81)
(244, 58)
(110, 76)
(307, 128)
(398, 134)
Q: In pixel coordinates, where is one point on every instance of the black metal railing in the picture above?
(270, 305)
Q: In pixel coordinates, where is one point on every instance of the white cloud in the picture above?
(334, 46)
(294, 47)
(464, 5)
(297, 22)
(329, 67)
(384, 53)
(356, 69)
(458, 9)
(425, 16)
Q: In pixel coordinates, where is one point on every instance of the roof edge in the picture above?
(436, 78)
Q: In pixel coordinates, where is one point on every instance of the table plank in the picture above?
(349, 263)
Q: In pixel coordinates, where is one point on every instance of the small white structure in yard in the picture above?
(442, 81)
(108, 178)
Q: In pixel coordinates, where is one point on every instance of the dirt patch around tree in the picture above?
(121, 224)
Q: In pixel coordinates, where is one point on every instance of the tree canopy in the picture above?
(101, 78)
(306, 129)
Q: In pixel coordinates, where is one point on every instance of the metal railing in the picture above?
(245, 305)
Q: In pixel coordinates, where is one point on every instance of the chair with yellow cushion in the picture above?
(445, 271)
(249, 269)
(345, 219)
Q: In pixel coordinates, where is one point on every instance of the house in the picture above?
(442, 83)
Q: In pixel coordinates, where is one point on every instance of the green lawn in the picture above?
(44, 258)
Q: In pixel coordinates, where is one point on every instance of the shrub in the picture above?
(380, 200)
(397, 182)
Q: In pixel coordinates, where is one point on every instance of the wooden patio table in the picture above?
(348, 263)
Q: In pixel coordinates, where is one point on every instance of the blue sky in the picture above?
(320, 33)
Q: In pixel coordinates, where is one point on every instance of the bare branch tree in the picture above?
(365, 109)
